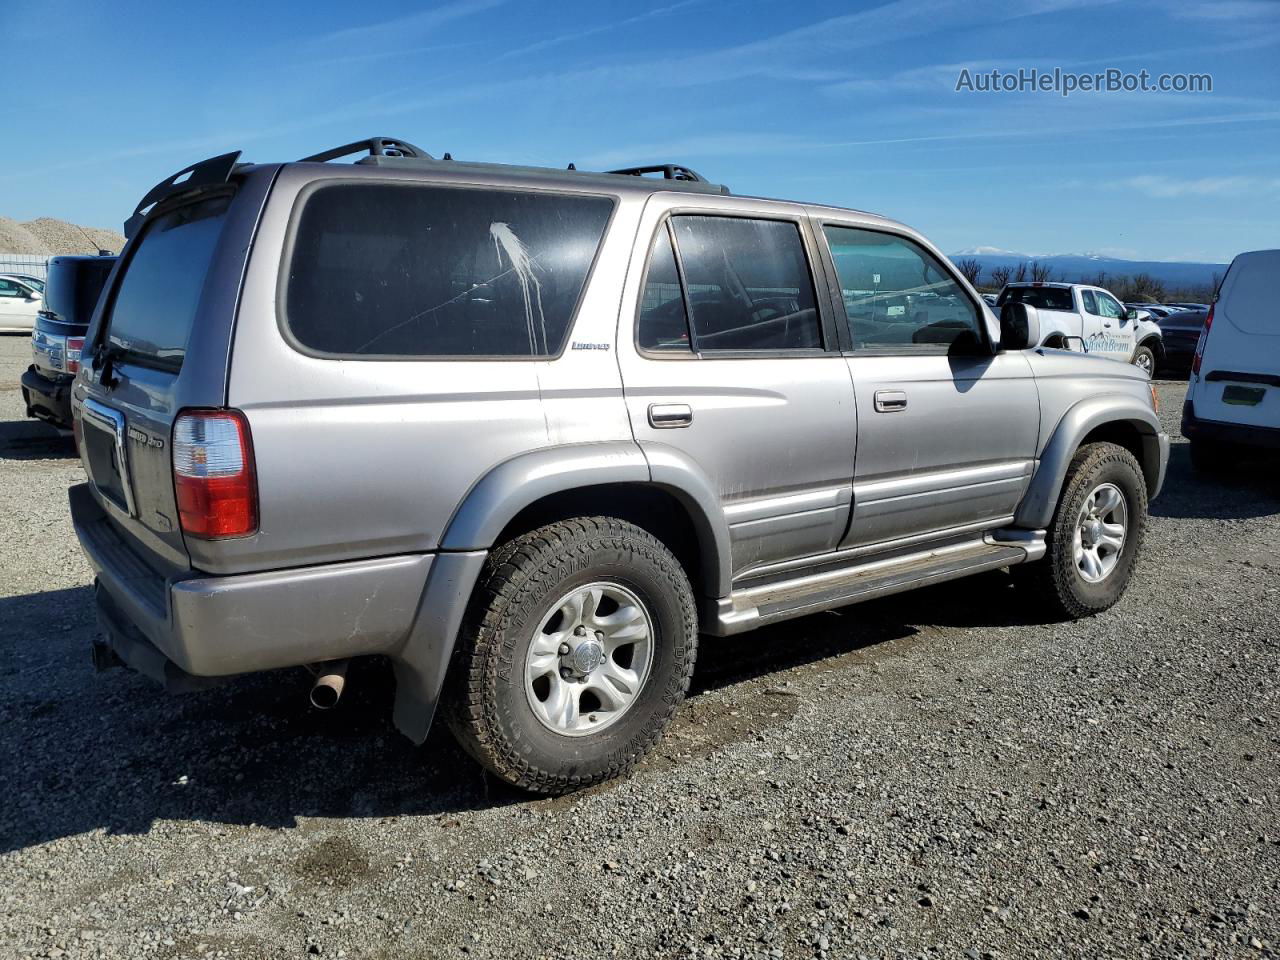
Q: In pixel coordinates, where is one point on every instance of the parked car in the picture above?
(58, 337)
(1181, 331)
(1188, 306)
(529, 432)
(35, 283)
(1093, 317)
(19, 301)
(1154, 310)
(989, 299)
(1233, 400)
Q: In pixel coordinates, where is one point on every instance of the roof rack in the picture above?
(206, 173)
(669, 171)
(377, 147)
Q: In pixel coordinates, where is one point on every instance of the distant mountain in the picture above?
(1079, 267)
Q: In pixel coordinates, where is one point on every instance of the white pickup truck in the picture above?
(1093, 317)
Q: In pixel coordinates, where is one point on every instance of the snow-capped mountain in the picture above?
(1074, 267)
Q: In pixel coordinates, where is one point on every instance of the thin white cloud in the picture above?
(593, 31)
(1168, 188)
(397, 35)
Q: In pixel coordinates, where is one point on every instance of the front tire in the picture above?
(578, 649)
(1096, 534)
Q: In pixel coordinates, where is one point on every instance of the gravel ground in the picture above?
(938, 775)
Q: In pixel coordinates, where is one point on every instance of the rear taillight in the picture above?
(1204, 337)
(75, 346)
(213, 474)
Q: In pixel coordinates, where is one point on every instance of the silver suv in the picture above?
(527, 433)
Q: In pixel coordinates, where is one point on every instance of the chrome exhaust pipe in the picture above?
(331, 677)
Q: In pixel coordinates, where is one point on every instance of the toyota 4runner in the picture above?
(527, 433)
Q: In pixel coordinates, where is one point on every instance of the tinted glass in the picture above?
(897, 296)
(749, 284)
(1042, 298)
(156, 301)
(402, 270)
(1090, 302)
(663, 323)
(74, 286)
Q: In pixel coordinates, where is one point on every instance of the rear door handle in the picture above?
(890, 401)
(667, 416)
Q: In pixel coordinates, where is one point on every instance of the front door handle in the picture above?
(667, 416)
(890, 401)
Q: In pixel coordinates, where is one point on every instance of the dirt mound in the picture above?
(58, 236)
(16, 238)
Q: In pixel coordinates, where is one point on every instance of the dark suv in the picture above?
(71, 292)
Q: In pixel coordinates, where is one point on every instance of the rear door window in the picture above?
(664, 321)
(749, 286)
(155, 304)
(396, 270)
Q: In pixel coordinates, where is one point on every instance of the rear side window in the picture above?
(394, 270)
(1090, 302)
(1042, 298)
(155, 304)
(664, 322)
(749, 286)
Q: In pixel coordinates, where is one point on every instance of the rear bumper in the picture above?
(46, 399)
(1237, 434)
(183, 626)
(1215, 431)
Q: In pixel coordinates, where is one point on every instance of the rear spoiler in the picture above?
(206, 173)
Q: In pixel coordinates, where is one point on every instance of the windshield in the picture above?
(155, 305)
(1042, 298)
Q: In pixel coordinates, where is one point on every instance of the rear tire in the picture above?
(1096, 534)
(1144, 358)
(583, 622)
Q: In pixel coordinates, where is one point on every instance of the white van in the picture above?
(1234, 395)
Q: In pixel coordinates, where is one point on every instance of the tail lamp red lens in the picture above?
(1204, 337)
(75, 347)
(213, 474)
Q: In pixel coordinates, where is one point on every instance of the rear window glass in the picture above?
(74, 286)
(155, 304)
(1042, 298)
(397, 270)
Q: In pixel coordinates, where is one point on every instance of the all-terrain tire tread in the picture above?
(516, 572)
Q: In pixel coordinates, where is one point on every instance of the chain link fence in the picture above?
(33, 265)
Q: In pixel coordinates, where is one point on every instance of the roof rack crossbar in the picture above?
(669, 171)
(376, 146)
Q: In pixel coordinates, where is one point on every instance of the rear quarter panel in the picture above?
(365, 458)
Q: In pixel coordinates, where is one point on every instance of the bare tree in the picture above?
(1142, 288)
(1020, 274)
(1000, 276)
(970, 269)
(1040, 272)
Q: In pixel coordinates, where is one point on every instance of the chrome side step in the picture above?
(825, 587)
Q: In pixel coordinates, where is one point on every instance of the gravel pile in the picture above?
(45, 235)
(941, 774)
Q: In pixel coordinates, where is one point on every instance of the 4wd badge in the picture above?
(145, 439)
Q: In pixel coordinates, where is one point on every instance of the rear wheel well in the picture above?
(649, 507)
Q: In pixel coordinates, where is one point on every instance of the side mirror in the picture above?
(1019, 327)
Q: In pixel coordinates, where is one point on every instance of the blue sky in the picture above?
(852, 104)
